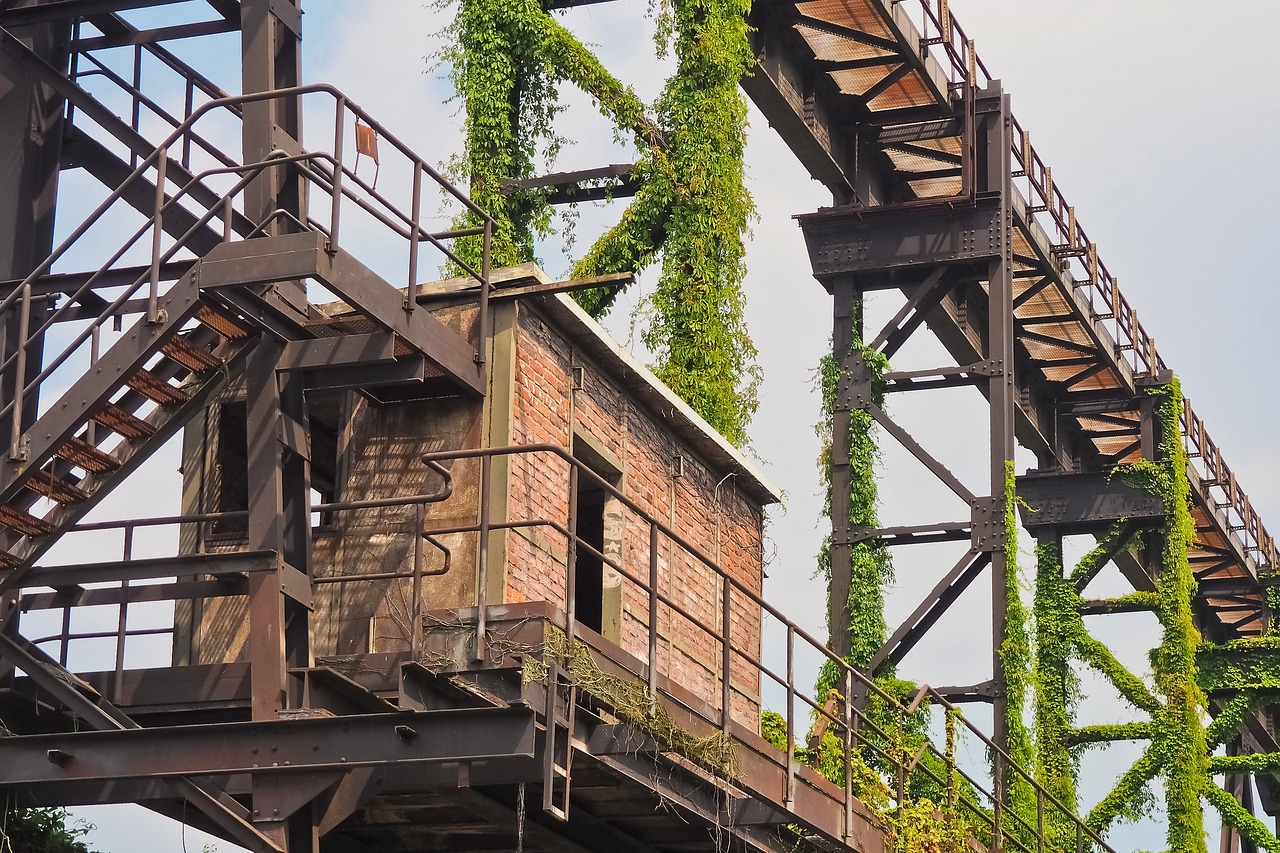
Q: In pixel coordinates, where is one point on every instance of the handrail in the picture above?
(730, 587)
(1133, 343)
(326, 170)
(129, 527)
(860, 731)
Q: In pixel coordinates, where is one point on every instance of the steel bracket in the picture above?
(276, 797)
(289, 14)
(988, 530)
(987, 367)
(854, 389)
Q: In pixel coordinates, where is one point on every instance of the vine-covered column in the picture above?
(1179, 737)
(1179, 749)
(1057, 612)
(857, 572)
(510, 100)
(698, 329)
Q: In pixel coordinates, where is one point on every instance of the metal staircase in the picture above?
(206, 298)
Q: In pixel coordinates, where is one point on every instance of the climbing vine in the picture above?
(506, 59)
(1015, 659)
(1178, 745)
(870, 564)
(1056, 685)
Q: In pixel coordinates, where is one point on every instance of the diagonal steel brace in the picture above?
(95, 710)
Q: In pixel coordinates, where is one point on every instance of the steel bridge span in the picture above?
(938, 192)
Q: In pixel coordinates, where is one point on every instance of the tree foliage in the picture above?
(43, 831)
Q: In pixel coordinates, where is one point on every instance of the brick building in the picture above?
(556, 379)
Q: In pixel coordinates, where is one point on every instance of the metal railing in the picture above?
(129, 528)
(327, 171)
(1049, 207)
(982, 805)
(731, 624)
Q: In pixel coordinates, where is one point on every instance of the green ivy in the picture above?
(870, 564)
(1234, 814)
(1230, 717)
(1015, 661)
(939, 810)
(1179, 748)
(1107, 732)
(1057, 609)
(506, 59)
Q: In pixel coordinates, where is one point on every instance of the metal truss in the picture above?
(940, 195)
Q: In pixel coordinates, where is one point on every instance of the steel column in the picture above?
(846, 328)
(995, 139)
(29, 169)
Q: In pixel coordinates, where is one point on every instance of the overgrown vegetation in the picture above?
(870, 564)
(43, 831)
(1178, 746)
(507, 58)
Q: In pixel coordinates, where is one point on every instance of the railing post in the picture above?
(482, 557)
(849, 746)
(16, 452)
(335, 210)
(899, 752)
(571, 562)
(122, 622)
(1039, 819)
(411, 292)
(95, 346)
(415, 641)
(157, 233)
(187, 105)
(997, 805)
(726, 653)
(482, 321)
(789, 796)
(653, 613)
(228, 213)
(64, 640)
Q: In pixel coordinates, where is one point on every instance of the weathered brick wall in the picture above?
(380, 448)
(701, 505)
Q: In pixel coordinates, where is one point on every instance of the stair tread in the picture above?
(221, 323)
(189, 355)
(123, 423)
(84, 455)
(156, 389)
(56, 488)
(24, 522)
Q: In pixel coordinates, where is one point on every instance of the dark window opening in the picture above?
(230, 482)
(589, 568)
(231, 470)
(325, 415)
(597, 597)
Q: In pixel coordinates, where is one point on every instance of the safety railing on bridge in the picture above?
(1049, 207)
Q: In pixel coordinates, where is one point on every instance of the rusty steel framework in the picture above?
(940, 194)
(103, 362)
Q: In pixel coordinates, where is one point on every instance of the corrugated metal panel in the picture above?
(936, 187)
(855, 81)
